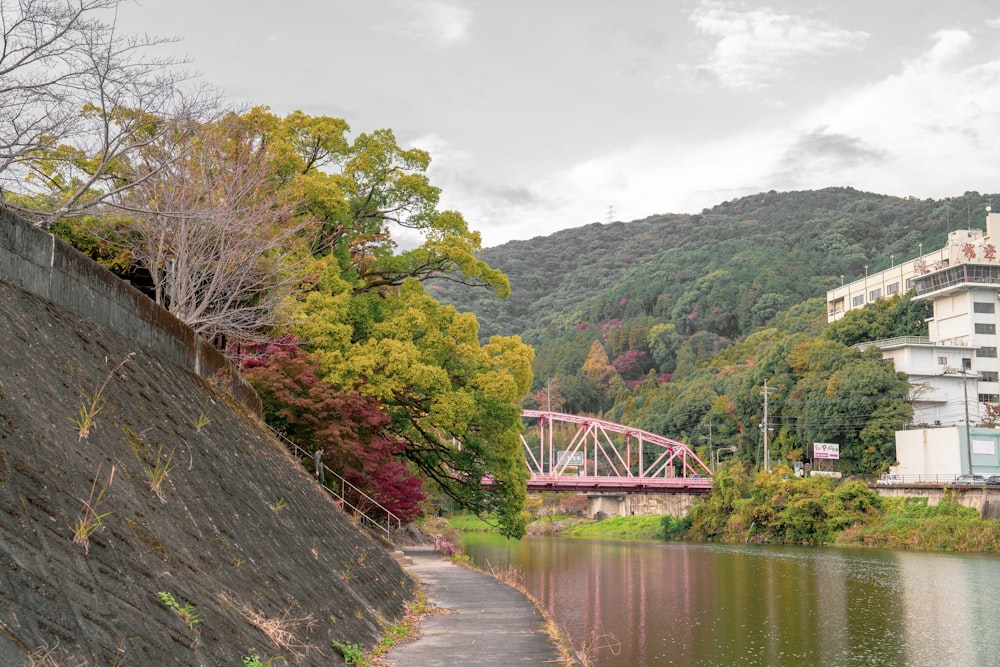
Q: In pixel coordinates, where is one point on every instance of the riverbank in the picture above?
(778, 508)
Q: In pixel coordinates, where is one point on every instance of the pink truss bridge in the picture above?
(596, 455)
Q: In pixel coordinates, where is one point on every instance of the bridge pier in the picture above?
(602, 505)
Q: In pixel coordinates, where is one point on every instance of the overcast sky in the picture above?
(541, 115)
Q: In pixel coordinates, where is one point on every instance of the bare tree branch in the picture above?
(214, 231)
(77, 100)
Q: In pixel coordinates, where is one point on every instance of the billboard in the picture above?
(826, 450)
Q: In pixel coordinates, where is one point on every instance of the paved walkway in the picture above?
(488, 622)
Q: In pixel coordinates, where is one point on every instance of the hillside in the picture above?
(726, 270)
(237, 529)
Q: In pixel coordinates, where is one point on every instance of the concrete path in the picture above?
(487, 622)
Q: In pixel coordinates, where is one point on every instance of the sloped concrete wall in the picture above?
(238, 529)
(43, 265)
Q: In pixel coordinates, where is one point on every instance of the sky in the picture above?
(541, 115)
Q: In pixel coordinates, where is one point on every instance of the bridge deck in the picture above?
(622, 484)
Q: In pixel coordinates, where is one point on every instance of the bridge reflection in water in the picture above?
(577, 453)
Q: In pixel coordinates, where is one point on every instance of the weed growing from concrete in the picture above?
(202, 422)
(347, 573)
(89, 410)
(157, 474)
(278, 506)
(254, 660)
(91, 518)
(282, 630)
(187, 612)
(353, 654)
(44, 656)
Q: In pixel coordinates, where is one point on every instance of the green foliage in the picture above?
(764, 253)
(885, 318)
(911, 523)
(353, 654)
(254, 660)
(673, 527)
(778, 508)
(186, 611)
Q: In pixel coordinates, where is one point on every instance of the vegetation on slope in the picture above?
(778, 508)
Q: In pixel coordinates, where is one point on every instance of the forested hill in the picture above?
(724, 271)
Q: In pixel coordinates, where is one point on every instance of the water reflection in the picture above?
(697, 604)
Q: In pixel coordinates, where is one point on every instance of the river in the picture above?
(679, 603)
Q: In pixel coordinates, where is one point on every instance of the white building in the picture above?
(953, 372)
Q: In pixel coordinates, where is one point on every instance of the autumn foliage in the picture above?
(348, 428)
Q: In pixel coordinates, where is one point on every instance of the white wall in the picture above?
(928, 451)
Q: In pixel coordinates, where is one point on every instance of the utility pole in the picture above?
(968, 436)
(767, 453)
(710, 441)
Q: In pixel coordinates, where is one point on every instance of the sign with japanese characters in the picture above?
(826, 450)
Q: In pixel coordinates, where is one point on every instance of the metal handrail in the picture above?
(341, 497)
(890, 480)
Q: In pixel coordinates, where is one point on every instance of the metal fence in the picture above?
(384, 520)
(893, 480)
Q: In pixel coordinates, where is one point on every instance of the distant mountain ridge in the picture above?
(726, 270)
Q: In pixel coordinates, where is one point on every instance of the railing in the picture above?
(322, 471)
(582, 483)
(899, 340)
(897, 480)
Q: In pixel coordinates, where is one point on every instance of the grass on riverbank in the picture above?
(470, 523)
(625, 528)
(910, 523)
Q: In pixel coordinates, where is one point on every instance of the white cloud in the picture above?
(438, 23)
(927, 130)
(754, 46)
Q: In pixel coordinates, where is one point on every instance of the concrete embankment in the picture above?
(236, 551)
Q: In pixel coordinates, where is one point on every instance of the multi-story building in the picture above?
(953, 371)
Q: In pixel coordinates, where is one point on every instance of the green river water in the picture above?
(681, 603)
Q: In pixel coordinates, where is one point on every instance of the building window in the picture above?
(988, 376)
(986, 352)
(892, 289)
(989, 398)
(984, 328)
(909, 283)
(942, 361)
(874, 294)
(859, 300)
(967, 362)
(984, 307)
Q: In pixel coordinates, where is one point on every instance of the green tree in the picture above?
(454, 402)
(664, 341)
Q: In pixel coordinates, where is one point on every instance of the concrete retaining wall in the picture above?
(45, 266)
(639, 504)
(985, 500)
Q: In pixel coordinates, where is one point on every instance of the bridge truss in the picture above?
(604, 456)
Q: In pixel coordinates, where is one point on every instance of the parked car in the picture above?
(993, 479)
(969, 480)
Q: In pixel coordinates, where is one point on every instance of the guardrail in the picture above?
(899, 480)
(322, 472)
